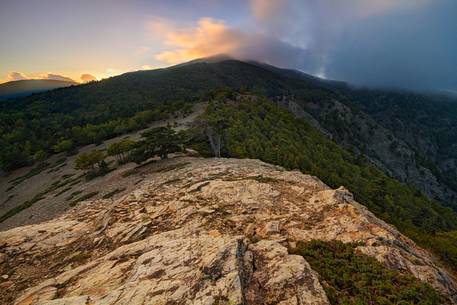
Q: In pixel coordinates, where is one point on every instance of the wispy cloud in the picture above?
(85, 78)
(401, 43)
(13, 76)
(302, 30)
(408, 43)
(211, 37)
(208, 37)
(54, 76)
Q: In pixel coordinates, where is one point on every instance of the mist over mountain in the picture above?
(401, 44)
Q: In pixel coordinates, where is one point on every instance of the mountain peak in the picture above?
(210, 59)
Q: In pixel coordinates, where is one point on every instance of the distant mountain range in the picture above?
(26, 87)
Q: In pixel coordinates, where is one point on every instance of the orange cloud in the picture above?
(85, 78)
(277, 20)
(53, 76)
(213, 37)
(263, 9)
(13, 76)
(209, 37)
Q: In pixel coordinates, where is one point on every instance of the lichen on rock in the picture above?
(216, 233)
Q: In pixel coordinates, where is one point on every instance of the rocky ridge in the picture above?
(200, 231)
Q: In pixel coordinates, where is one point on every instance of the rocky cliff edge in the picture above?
(200, 231)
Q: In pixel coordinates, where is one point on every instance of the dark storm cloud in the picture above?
(409, 49)
(410, 44)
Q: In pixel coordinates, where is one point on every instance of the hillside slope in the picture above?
(428, 123)
(93, 112)
(205, 231)
(251, 127)
(59, 183)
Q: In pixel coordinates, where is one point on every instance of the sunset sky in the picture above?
(410, 43)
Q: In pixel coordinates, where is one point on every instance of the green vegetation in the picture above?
(50, 123)
(434, 118)
(98, 111)
(129, 172)
(263, 130)
(159, 141)
(33, 172)
(92, 161)
(41, 124)
(63, 146)
(40, 156)
(56, 168)
(72, 195)
(23, 206)
(58, 165)
(63, 191)
(120, 150)
(70, 181)
(65, 176)
(350, 278)
(113, 192)
(40, 196)
(79, 257)
(94, 112)
(82, 198)
(11, 196)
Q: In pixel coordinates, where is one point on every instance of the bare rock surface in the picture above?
(199, 231)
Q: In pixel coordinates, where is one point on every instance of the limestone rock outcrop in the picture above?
(200, 231)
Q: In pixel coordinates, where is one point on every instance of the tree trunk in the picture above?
(214, 141)
(218, 145)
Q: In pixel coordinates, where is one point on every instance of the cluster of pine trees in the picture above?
(159, 141)
(28, 137)
(254, 127)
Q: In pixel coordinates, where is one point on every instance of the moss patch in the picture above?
(113, 192)
(82, 198)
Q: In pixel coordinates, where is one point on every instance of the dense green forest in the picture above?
(427, 122)
(34, 126)
(31, 128)
(260, 129)
(430, 116)
(351, 278)
(31, 136)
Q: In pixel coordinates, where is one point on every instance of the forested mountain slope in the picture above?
(67, 118)
(428, 123)
(252, 126)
